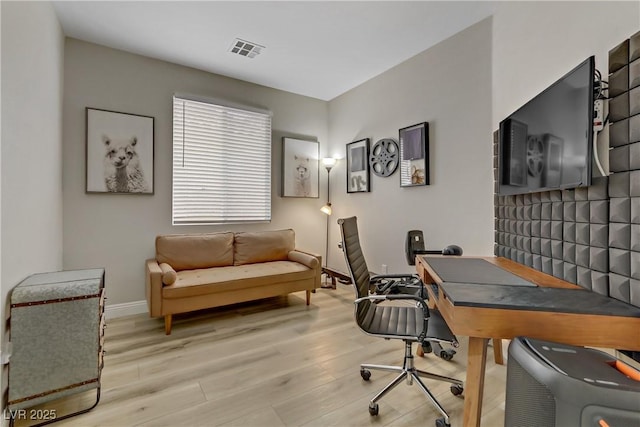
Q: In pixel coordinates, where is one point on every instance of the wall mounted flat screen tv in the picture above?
(546, 144)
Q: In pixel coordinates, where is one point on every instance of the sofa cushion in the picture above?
(189, 251)
(221, 279)
(263, 246)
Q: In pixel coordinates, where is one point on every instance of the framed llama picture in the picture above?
(119, 154)
(358, 166)
(414, 155)
(300, 171)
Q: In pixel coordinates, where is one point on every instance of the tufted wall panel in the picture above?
(562, 233)
(624, 159)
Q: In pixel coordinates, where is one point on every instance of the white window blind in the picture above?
(221, 164)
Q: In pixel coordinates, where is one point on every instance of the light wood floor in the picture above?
(275, 362)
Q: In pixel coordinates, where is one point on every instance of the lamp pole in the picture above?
(326, 246)
(328, 162)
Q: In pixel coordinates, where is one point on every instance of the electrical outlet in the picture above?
(384, 269)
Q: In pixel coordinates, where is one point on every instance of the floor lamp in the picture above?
(328, 162)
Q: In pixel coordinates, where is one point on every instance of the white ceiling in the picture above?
(319, 49)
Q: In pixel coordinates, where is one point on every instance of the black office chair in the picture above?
(410, 323)
(412, 285)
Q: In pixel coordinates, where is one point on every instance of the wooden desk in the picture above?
(552, 310)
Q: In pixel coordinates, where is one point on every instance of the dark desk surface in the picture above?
(475, 282)
(476, 270)
(536, 299)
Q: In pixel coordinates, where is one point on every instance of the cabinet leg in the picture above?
(167, 324)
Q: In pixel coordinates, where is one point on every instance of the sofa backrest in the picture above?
(191, 251)
(263, 246)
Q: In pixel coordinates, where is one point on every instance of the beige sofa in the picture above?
(195, 271)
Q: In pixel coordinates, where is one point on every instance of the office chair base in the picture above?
(373, 409)
(411, 374)
(438, 350)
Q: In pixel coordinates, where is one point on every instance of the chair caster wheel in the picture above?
(456, 389)
(373, 409)
(440, 422)
(365, 374)
(447, 354)
(426, 347)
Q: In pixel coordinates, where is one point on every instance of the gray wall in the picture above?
(117, 232)
(536, 43)
(31, 150)
(448, 86)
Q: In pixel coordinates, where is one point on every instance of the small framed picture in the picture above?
(358, 166)
(119, 154)
(300, 168)
(414, 155)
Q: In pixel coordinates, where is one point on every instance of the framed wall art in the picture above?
(119, 152)
(300, 168)
(358, 166)
(414, 155)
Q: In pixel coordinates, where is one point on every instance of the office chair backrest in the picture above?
(356, 263)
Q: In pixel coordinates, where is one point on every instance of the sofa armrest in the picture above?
(153, 281)
(169, 275)
(304, 259)
(311, 260)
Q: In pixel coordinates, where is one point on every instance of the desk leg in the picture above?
(474, 385)
(497, 351)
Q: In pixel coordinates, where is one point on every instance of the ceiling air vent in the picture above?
(245, 48)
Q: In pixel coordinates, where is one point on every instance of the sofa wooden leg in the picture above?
(167, 324)
(308, 297)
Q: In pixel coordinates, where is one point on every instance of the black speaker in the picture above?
(550, 384)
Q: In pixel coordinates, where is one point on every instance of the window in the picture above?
(221, 163)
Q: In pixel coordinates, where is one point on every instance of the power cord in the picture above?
(596, 157)
(599, 86)
(598, 123)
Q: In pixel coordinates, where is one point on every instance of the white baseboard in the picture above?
(125, 309)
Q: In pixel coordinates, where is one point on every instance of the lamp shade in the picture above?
(327, 209)
(329, 162)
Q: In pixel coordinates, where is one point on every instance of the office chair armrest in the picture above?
(393, 276)
(396, 297)
(371, 298)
